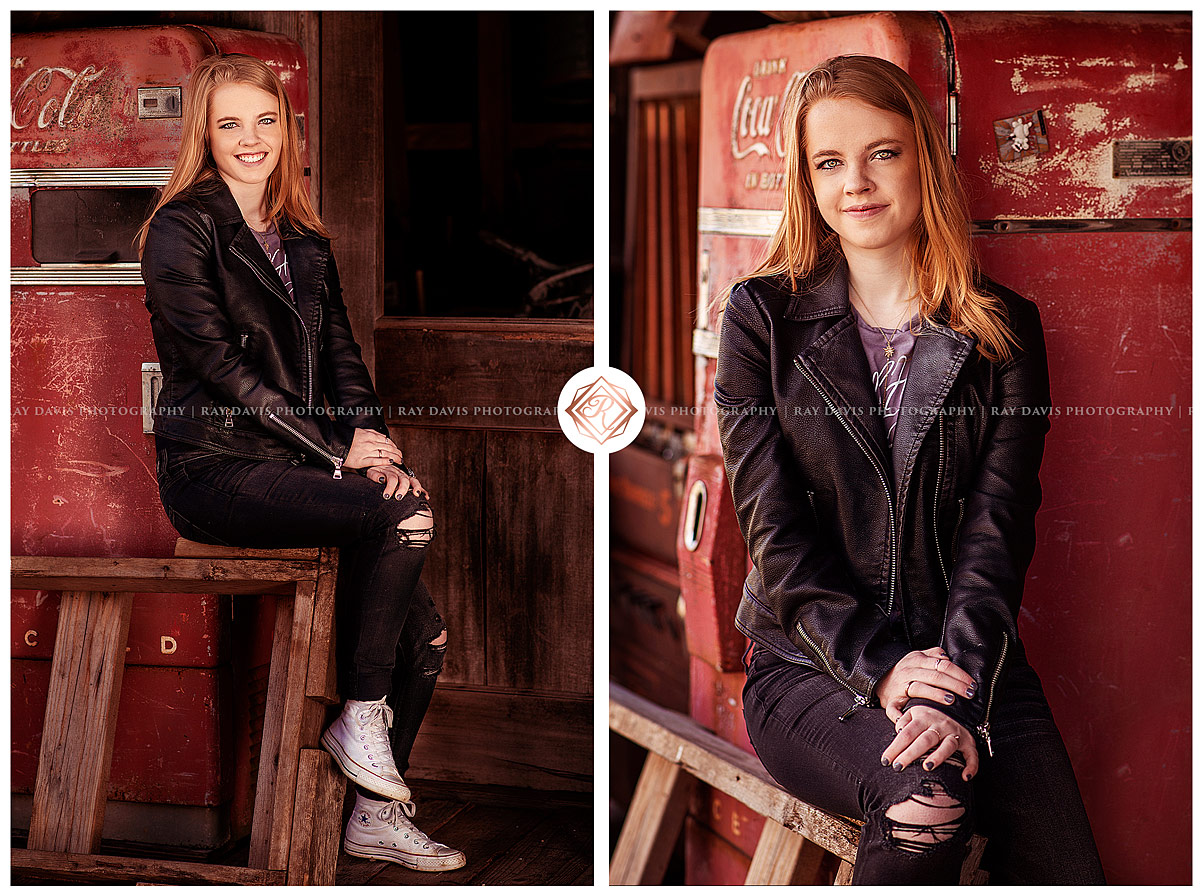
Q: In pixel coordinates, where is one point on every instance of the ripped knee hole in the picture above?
(417, 530)
(925, 820)
(434, 657)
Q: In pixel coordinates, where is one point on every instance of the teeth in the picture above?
(256, 157)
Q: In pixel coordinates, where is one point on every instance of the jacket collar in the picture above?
(837, 363)
(307, 253)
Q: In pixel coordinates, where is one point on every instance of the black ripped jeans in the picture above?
(1024, 799)
(386, 617)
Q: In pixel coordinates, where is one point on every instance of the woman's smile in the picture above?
(245, 138)
(863, 168)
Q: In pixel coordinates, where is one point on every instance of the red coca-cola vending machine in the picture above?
(96, 122)
(1073, 135)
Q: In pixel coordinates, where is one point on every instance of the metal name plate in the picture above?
(1152, 158)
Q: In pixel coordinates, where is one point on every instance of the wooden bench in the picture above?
(794, 839)
(295, 831)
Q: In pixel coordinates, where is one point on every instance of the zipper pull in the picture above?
(985, 733)
(229, 418)
(859, 703)
(337, 467)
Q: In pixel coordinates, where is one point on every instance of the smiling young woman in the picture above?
(266, 403)
(882, 437)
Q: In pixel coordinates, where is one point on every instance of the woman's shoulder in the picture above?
(763, 294)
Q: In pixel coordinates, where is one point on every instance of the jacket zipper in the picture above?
(813, 504)
(336, 461)
(937, 485)
(307, 339)
(962, 505)
(860, 700)
(882, 479)
(985, 729)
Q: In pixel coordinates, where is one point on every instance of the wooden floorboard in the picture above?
(514, 841)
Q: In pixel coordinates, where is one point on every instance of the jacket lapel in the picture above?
(937, 358)
(837, 364)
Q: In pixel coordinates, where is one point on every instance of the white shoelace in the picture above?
(376, 719)
(397, 813)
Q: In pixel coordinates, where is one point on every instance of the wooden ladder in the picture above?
(295, 831)
(794, 840)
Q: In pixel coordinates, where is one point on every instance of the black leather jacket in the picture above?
(836, 537)
(246, 371)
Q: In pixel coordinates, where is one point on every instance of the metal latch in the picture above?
(151, 385)
(160, 102)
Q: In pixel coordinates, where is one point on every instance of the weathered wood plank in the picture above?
(268, 762)
(119, 869)
(316, 833)
(506, 738)
(844, 874)
(351, 101)
(652, 824)
(726, 767)
(783, 858)
(322, 671)
(159, 576)
(471, 367)
(185, 547)
(80, 722)
(292, 736)
(539, 579)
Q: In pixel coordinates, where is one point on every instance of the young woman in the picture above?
(883, 421)
(269, 432)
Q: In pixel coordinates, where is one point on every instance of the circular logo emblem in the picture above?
(601, 409)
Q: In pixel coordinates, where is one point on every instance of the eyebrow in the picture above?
(870, 146)
(235, 118)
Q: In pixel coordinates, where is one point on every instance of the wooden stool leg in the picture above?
(845, 872)
(317, 831)
(783, 857)
(653, 823)
(80, 722)
(268, 761)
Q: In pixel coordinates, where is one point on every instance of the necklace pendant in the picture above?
(888, 351)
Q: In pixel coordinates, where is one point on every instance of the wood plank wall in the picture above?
(660, 253)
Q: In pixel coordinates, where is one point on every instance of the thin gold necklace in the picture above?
(888, 351)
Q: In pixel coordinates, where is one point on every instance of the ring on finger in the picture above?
(906, 687)
(936, 733)
(938, 665)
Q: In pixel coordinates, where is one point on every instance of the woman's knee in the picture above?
(417, 531)
(931, 809)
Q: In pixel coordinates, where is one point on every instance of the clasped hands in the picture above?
(930, 674)
(384, 462)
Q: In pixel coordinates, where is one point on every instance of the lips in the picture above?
(252, 158)
(862, 212)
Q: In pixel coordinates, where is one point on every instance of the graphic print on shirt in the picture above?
(273, 248)
(889, 383)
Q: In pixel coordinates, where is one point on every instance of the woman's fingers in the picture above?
(930, 737)
(391, 479)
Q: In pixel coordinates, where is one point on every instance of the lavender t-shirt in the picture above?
(888, 375)
(272, 245)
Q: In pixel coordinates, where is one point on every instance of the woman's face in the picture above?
(863, 165)
(244, 134)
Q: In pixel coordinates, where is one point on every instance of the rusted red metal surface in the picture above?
(1100, 108)
(83, 469)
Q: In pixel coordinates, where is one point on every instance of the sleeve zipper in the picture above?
(985, 729)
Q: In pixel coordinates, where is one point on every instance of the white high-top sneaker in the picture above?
(358, 742)
(383, 830)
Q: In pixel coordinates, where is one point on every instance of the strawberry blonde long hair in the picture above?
(943, 269)
(287, 193)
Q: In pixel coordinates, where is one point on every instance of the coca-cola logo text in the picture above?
(754, 128)
(56, 97)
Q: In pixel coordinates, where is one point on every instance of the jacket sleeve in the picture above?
(996, 537)
(181, 289)
(349, 389)
(805, 583)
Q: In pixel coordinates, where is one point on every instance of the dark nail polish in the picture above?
(969, 776)
(949, 698)
(928, 766)
(898, 767)
(970, 693)
(884, 761)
